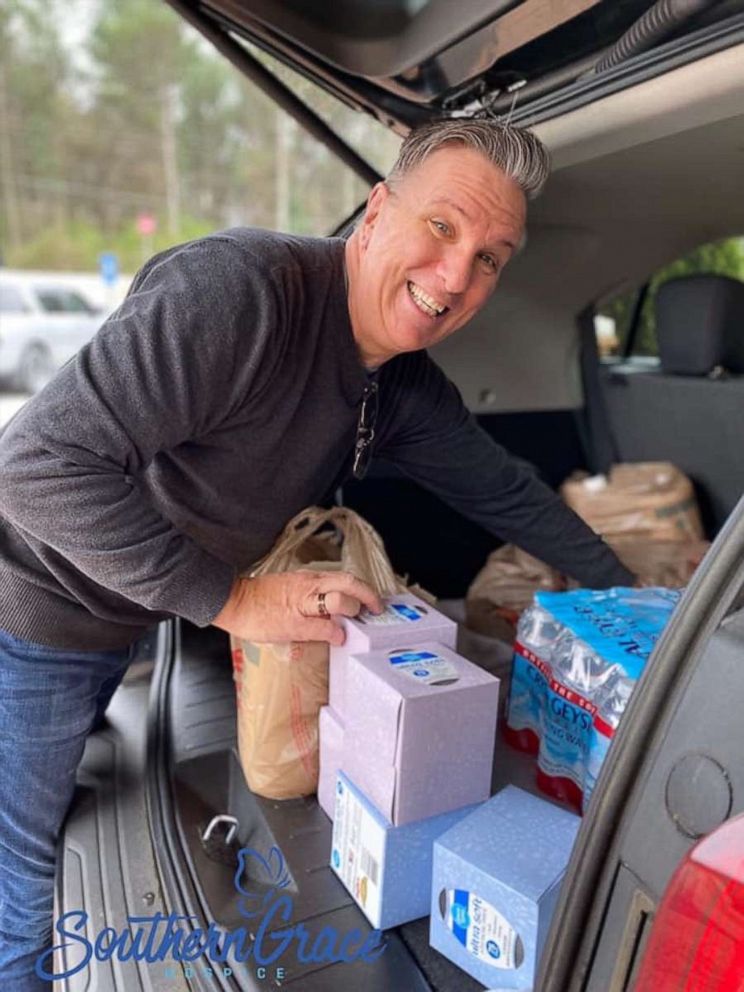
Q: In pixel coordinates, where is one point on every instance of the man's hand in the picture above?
(286, 606)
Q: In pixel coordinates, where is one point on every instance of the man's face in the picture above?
(431, 251)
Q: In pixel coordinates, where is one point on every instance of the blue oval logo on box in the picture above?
(406, 657)
(493, 949)
(403, 610)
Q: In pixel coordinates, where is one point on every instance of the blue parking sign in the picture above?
(108, 266)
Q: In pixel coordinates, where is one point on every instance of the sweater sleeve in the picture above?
(435, 441)
(164, 370)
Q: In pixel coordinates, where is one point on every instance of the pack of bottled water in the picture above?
(577, 658)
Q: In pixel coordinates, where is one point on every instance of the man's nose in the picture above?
(455, 270)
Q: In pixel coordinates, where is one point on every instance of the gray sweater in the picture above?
(219, 400)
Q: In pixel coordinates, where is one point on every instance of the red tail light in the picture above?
(697, 939)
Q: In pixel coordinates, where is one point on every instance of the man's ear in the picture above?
(377, 197)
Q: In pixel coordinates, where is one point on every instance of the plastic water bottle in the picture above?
(537, 634)
(539, 630)
(579, 666)
(611, 702)
(578, 673)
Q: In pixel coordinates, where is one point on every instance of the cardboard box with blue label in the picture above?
(405, 621)
(420, 730)
(495, 883)
(386, 869)
(331, 731)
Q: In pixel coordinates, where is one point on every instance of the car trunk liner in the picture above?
(207, 781)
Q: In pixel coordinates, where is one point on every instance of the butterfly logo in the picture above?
(267, 871)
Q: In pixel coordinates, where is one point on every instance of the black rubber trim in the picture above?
(602, 450)
(635, 320)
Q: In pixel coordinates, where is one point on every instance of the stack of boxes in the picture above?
(405, 622)
(406, 755)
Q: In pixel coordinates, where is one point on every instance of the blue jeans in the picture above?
(50, 700)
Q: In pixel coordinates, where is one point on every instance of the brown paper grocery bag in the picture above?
(281, 687)
(510, 578)
(503, 588)
(660, 563)
(644, 500)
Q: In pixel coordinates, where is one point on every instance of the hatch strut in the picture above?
(277, 91)
(651, 29)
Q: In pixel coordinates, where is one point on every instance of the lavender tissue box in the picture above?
(331, 730)
(420, 730)
(406, 620)
(495, 884)
(386, 869)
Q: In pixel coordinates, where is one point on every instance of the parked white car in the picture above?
(42, 325)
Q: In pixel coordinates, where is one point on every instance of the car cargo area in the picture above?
(161, 790)
(165, 768)
(207, 782)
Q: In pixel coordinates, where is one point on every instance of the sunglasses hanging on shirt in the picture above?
(365, 432)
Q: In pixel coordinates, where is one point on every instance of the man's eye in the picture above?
(490, 262)
(441, 226)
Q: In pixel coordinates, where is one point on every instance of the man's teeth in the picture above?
(424, 302)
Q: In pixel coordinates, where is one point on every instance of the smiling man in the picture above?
(433, 242)
(246, 376)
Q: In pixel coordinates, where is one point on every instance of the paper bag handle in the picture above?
(362, 550)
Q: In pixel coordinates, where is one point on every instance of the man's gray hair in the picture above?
(514, 150)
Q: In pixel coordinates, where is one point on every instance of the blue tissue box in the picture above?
(496, 879)
(386, 869)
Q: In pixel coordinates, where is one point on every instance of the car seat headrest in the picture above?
(700, 324)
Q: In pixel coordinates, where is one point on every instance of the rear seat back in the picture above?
(690, 410)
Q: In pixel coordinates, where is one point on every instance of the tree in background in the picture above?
(144, 117)
(209, 136)
(140, 56)
(36, 114)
